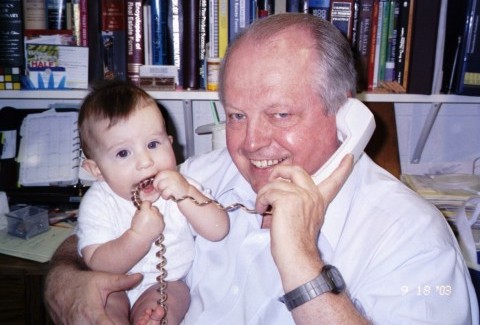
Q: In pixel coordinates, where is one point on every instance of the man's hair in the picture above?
(110, 100)
(334, 71)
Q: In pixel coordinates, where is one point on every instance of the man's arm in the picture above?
(298, 208)
(74, 294)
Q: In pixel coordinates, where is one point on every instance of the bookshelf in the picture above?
(24, 99)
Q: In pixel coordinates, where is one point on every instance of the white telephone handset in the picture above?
(355, 126)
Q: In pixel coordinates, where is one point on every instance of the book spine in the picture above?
(190, 48)
(213, 28)
(35, 14)
(292, 6)
(134, 40)
(424, 43)
(113, 41)
(378, 43)
(363, 40)
(392, 41)
(469, 66)
(76, 21)
(95, 47)
(342, 15)
(202, 42)
(56, 14)
(408, 44)
(234, 19)
(402, 27)
(455, 26)
(159, 32)
(176, 27)
(319, 8)
(372, 47)
(83, 23)
(11, 34)
(383, 41)
(222, 27)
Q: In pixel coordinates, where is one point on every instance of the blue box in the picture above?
(27, 222)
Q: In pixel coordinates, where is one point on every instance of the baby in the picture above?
(124, 138)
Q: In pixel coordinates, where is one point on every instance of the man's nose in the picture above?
(257, 135)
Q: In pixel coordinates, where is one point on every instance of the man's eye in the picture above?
(153, 144)
(122, 153)
(236, 116)
(281, 115)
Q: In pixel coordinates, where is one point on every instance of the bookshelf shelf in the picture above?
(209, 95)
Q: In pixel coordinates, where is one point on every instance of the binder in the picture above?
(49, 152)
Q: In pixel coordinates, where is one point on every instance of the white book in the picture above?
(49, 152)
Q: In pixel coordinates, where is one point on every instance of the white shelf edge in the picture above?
(211, 95)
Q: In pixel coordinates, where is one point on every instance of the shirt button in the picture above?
(235, 290)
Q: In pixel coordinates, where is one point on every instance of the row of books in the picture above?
(400, 45)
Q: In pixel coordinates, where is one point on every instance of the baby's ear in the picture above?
(91, 166)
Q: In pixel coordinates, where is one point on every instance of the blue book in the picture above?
(239, 17)
(159, 14)
(319, 8)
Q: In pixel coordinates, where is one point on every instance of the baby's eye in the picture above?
(153, 144)
(122, 153)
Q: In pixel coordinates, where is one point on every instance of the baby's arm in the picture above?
(121, 254)
(208, 221)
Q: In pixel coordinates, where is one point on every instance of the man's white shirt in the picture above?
(397, 254)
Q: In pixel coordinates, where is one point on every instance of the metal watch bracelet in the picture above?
(329, 280)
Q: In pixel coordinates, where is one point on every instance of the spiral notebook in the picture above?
(49, 152)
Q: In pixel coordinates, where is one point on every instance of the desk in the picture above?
(21, 291)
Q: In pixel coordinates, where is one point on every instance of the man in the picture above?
(281, 84)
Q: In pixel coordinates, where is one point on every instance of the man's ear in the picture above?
(91, 166)
(170, 138)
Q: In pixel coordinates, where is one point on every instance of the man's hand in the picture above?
(76, 296)
(298, 208)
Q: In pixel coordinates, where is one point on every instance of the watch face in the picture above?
(334, 277)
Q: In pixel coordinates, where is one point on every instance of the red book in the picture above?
(135, 44)
(371, 50)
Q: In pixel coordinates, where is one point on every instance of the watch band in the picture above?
(324, 282)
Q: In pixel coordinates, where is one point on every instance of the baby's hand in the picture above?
(148, 221)
(170, 183)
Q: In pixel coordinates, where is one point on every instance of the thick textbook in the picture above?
(49, 152)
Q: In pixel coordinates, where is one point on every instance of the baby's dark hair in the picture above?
(111, 100)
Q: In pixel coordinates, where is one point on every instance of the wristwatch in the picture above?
(329, 280)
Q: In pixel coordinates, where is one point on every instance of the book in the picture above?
(293, 6)
(455, 26)
(135, 46)
(378, 43)
(202, 42)
(49, 152)
(113, 39)
(191, 45)
(80, 22)
(382, 53)
(408, 45)
(402, 29)
(34, 14)
(175, 25)
(362, 44)
(213, 51)
(342, 15)
(372, 47)
(222, 27)
(160, 44)
(239, 17)
(319, 8)
(56, 14)
(468, 68)
(391, 41)
(95, 41)
(11, 33)
(423, 46)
